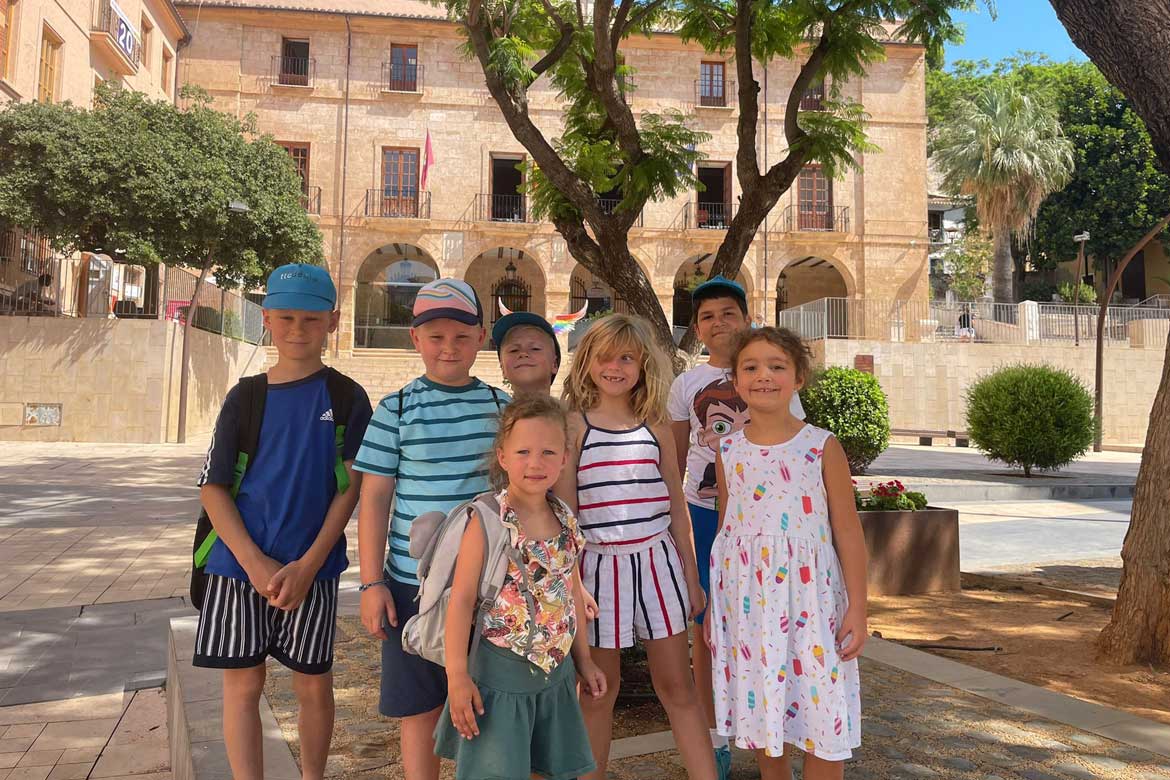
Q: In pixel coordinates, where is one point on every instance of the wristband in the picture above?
(368, 585)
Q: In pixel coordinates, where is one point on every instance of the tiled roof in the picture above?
(404, 9)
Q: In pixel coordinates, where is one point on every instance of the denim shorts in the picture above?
(411, 685)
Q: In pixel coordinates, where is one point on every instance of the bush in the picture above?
(1031, 417)
(888, 496)
(1067, 291)
(1041, 292)
(851, 404)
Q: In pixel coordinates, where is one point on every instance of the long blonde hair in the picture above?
(619, 333)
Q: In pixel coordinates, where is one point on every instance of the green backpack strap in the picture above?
(341, 397)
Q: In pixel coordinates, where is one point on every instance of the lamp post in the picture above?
(234, 207)
(1080, 238)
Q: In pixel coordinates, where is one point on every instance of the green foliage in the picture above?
(1068, 293)
(150, 181)
(852, 405)
(1031, 417)
(887, 497)
(1041, 292)
(969, 260)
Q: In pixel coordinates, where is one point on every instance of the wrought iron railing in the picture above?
(709, 215)
(293, 71)
(311, 199)
(402, 77)
(407, 204)
(609, 205)
(714, 93)
(493, 207)
(124, 36)
(828, 219)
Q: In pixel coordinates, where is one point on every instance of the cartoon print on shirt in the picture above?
(720, 412)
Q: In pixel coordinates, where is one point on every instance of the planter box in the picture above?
(912, 552)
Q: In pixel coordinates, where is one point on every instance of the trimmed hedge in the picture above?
(852, 405)
(1031, 416)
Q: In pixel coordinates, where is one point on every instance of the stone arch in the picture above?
(386, 282)
(513, 273)
(689, 274)
(809, 278)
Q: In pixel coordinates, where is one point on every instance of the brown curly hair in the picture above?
(525, 407)
(784, 340)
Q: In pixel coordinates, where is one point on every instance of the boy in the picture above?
(425, 449)
(703, 407)
(273, 573)
(528, 351)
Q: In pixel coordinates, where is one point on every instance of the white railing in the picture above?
(984, 322)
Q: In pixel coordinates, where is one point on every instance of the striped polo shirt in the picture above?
(436, 450)
(621, 497)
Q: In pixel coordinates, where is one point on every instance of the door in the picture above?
(403, 68)
(814, 200)
(399, 182)
(712, 86)
(294, 62)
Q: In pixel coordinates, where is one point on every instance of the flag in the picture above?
(428, 161)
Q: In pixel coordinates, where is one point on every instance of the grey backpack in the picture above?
(434, 542)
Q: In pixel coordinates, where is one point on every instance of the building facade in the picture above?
(358, 92)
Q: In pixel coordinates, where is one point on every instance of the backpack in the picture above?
(253, 393)
(434, 542)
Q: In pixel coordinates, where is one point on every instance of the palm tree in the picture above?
(1007, 150)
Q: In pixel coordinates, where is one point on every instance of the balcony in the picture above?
(821, 219)
(402, 77)
(490, 207)
(388, 204)
(813, 98)
(709, 216)
(293, 71)
(714, 93)
(609, 205)
(114, 35)
(311, 200)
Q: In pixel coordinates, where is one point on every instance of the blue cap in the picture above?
(299, 286)
(515, 320)
(718, 284)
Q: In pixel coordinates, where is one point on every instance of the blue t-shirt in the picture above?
(287, 489)
(437, 453)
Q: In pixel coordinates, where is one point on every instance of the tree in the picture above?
(605, 149)
(1125, 39)
(1006, 150)
(151, 182)
(968, 261)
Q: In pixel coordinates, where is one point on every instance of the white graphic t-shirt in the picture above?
(705, 397)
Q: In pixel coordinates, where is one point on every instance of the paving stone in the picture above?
(961, 764)
(1075, 770)
(915, 770)
(1040, 774)
(1028, 753)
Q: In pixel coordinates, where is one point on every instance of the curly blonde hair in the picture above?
(525, 407)
(608, 336)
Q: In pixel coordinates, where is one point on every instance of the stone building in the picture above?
(356, 90)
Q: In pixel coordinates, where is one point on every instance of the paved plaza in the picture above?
(94, 562)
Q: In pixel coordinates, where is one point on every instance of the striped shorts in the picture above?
(238, 628)
(639, 590)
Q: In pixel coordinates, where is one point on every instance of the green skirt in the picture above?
(531, 722)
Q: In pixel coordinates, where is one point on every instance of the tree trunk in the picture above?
(1003, 270)
(1126, 39)
(184, 373)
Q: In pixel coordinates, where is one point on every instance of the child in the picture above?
(788, 600)
(525, 718)
(424, 451)
(273, 573)
(528, 351)
(639, 560)
(703, 406)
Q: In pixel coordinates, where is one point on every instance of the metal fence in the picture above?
(37, 282)
(981, 322)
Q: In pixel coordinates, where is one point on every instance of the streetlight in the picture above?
(1080, 238)
(235, 207)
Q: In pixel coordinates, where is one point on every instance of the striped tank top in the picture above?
(621, 497)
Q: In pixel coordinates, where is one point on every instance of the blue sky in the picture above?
(1030, 25)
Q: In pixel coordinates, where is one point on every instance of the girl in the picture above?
(639, 561)
(788, 574)
(514, 714)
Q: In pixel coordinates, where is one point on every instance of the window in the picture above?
(814, 199)
(294, 62)
(399, 182)
(813, 98)
(7, 36)
(144, 32)
(403, 75)
(50, 66)
(712, 85)
(506, 203)
(166, 70)
(300, 155)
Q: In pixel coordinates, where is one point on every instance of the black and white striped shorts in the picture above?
(238, 628)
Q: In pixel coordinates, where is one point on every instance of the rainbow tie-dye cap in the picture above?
(451, 299)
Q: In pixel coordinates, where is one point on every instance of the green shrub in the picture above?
(1041, 292)
(1067, 291)
(1031, 417)
(851, 404)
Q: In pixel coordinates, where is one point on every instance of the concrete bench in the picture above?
(195, 717)
(926, 437)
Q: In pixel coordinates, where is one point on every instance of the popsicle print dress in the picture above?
(777, 599)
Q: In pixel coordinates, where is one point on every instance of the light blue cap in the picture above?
(300, 286)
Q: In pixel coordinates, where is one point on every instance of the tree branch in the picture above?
(747, 160)
(621, 26)
(556, 52)
(601, 79)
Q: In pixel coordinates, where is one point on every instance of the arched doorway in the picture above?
(509, 274)
(387, 283)
(585, 288)
(807, 279)
(690, 275)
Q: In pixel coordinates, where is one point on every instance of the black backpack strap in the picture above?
(341, 395)
(496, 398)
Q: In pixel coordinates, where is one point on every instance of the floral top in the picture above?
(551, 564)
